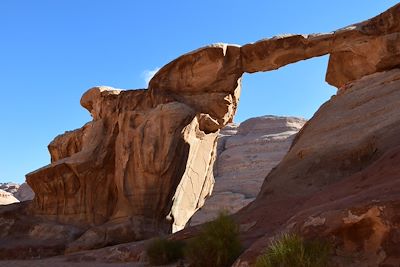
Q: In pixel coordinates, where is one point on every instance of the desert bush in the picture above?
(217, 244)
(291, 250)
(162, 251)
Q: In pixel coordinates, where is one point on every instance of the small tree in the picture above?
(162, 251)
(217, 244)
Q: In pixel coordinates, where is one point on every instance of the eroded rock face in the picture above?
(340, 179)
(143, 166)
(246, 153)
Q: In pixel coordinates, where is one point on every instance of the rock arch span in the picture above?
(144, 164)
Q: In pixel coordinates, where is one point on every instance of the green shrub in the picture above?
(217, 244)
(291, 250)
(161, 251)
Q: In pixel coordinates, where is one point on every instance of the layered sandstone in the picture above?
(143, 165)
(246, 153)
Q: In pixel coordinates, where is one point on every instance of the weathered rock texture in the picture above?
(144, 164)
(340, 180)
(142, 167)
(245, 154)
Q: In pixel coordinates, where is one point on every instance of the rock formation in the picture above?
(24, 193)
(9, 187)
(143, 166)
(340, 180)
(245, 154)
(21, 192)
(140, 168)
(7, 198)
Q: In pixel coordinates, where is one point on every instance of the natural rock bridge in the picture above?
(143, 166)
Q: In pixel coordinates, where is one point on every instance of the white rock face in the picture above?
(246, 154)
(21, 192)
(7, 198)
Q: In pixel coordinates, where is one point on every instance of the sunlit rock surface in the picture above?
(340, 180)
(7, 198)
(246, 153)
(21, 192)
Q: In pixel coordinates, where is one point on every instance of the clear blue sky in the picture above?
(52, 51)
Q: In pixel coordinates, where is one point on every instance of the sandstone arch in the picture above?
(144, 164)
